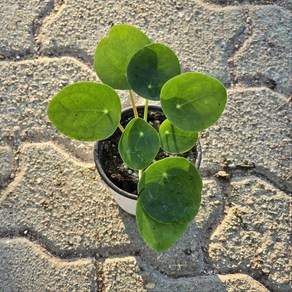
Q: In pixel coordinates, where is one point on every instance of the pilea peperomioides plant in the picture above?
(169, 190)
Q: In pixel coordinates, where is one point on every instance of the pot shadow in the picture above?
(182, 267)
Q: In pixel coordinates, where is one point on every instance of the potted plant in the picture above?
(168, 190)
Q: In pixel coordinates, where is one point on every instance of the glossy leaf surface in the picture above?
(174, 140)
(193, 101)
(158, 236)
(114, 52)
(170, 190)
(150, 68)
(139, 144)
(85, 111)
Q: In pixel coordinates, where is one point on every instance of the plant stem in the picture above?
(140, 173)
(121, 128)
(146, 110)
(133, 104)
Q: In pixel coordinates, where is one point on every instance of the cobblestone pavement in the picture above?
(60, 229)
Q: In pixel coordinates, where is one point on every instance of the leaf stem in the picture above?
(121, 128)
(146, 110)
(133, 104)
(140, 173)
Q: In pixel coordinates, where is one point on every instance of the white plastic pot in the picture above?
(127, 201)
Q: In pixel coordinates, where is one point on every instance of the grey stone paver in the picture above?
(202, 38)
(139, 278)
(265, 58)
(25, 266)
(254, 235)
(16, 21)
(254, 128)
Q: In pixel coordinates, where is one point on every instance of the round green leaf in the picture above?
(193, 101)
(174, 140)
(158, 236)
(85, 111)
(139, 144)
(150, 68)
(170, 190)
(114, 52)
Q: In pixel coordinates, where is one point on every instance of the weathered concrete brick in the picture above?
(25, 266)
(122, 274)
(129, 274)
(255, 128)
(283, 3)
(63, 201)
(26, 87)
(7, 165)
(214, 283)
(16, 21)
(211, 209)
(202, 37)
(254, 235)
(264, 58)
(241, 283)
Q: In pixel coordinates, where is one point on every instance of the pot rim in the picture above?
(97, 153)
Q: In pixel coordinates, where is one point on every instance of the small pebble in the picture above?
(150, 286)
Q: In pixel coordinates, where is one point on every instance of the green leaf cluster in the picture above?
(169, 189)
(169, 198)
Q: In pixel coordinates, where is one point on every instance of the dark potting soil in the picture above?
(113, 165)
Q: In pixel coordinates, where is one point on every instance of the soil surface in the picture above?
(113, 165)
